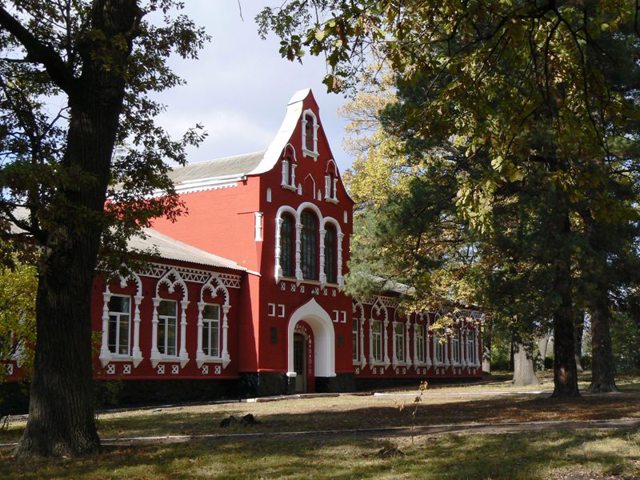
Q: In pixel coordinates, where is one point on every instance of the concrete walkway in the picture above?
(404, 431)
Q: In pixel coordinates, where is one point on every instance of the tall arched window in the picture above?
(330, 254)
(309, 246)
(287, 262)
(309, 134)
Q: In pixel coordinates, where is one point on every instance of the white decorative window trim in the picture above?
(395, 360)
(355, 306)
(323, 221)
(305, 152)
(214, 285)
(159, 270)
(171, 279)
(106, 356)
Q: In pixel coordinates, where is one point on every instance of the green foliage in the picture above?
(516, 124)
(625, 332)
(37, 101)
(17, 315)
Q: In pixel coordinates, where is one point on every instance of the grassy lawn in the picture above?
(593, 454)
(513, 456)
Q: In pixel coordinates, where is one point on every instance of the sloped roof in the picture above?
(236, 165)
(172, 249)
(208, 173)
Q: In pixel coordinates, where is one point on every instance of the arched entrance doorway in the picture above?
(303, 358)
(310, 346)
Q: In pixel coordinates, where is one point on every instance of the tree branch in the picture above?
(39, 52)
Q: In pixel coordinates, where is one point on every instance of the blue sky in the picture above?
(240, 86)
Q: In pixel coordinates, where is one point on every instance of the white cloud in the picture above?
(240, 86)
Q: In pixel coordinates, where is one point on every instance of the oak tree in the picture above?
(76, 79)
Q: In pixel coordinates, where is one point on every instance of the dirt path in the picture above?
(404, 431)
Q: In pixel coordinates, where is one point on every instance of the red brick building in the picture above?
(246, 292)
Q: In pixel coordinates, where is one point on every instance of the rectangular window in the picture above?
(471, 346)
(168, 327)
(398, 338)
(376, 340)
(439, 348)
(455, 348)
(119, 324)
(355, 339)
(420, 343)
(211, 330)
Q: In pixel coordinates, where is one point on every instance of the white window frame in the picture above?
(376, 342)
(399, 354)
(305, 152)
(288, 179)
(322, 222)
(438, 348)
(135, 353)
(473, 348)
(455, 348)
(112, 313)
(172, 280)
(165, 319)
(213, 322)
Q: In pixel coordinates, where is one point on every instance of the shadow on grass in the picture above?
(369, 413)
(374, 415)
(514, 456)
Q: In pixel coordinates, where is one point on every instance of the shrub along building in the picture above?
(246, 293)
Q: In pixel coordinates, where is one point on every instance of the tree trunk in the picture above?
(61, 406)
(512, 352)
(565, 374)
(486, 347)
(543, 345)
(579, 332)
(61, 416)
(603, 368)
(523, 368)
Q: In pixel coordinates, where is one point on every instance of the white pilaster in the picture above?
(323, 276)
(184, 356)
(407, 340)
(385, 342)
(278, 269)
(105, 355)
(155, 353)
(298, 249)
(226, 359)
(199, 351)
(137, 354)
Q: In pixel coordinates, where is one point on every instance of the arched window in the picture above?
(309, 137)
(330, 254)
(287, 262)
(331, 183)
(288, 173)
(309, 246)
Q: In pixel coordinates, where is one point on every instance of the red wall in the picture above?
(190, 370)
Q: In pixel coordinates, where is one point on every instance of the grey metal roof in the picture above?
(172, 249)
(219, 167)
